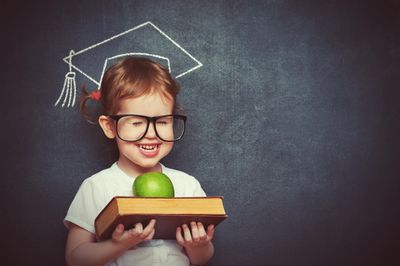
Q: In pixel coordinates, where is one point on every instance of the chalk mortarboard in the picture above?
(145, 40)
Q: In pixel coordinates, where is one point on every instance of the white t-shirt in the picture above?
(97, 191)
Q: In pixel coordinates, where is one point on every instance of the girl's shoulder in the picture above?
(102, 174)
(107, 176)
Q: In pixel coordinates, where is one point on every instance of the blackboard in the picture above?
(293, 118)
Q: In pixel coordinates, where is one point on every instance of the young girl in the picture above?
(140, 112)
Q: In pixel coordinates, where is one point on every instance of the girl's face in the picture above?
(144, 155)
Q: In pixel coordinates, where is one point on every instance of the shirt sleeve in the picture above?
(85, 207)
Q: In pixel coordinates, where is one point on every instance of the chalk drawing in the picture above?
(134, 54)
(69, 87)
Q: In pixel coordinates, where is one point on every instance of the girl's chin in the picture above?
(137, 168)
(149, 166)
(146, 164)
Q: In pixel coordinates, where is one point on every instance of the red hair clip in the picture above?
(95, 95)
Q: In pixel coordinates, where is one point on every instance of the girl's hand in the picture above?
(133, 236)
(194, 237)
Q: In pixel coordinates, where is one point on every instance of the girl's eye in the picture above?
(163, 122)
(136, 124)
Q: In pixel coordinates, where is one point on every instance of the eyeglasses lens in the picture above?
(168, 128)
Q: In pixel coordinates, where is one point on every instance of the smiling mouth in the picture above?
(149, 148)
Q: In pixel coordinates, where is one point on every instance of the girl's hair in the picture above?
(130, 78)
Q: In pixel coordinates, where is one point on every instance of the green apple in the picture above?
(153, 184)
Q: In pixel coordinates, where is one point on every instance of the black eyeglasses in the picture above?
(131, 127)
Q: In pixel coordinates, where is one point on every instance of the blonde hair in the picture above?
(132, 77)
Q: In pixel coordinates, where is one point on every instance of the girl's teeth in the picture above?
(148, 148)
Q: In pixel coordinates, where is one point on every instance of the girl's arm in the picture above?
(82, 248)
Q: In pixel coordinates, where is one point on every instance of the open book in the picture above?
(169, 213)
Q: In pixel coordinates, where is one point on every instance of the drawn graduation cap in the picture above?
(145, 40)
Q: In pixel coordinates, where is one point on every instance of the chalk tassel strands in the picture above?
(69, 87)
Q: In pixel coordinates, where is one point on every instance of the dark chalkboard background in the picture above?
(294, 118)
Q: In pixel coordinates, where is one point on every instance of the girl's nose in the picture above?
(151, 133)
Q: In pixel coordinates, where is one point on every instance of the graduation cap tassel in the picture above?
(69, 87)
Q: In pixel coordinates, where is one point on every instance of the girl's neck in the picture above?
(134, 170)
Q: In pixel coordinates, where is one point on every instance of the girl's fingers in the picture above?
(138, 228)
(151, 235)
(119, 230)
(179, 236)
(195, 232)
(149, 228)
(152, 223)
(195, 235)
(135, 231)
(202, 231)
(186, 233)
(210, 231)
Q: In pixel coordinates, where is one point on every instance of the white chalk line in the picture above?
(69, 86)
(81, 71)
(68, 59)
(62, 92)
(68, 90)
(111, 38)
(131, 54)
(180, 47)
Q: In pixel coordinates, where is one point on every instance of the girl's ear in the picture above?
(107, 124)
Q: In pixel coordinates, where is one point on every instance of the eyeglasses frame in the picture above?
(150, 119)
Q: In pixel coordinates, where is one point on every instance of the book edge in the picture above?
(103, 235)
